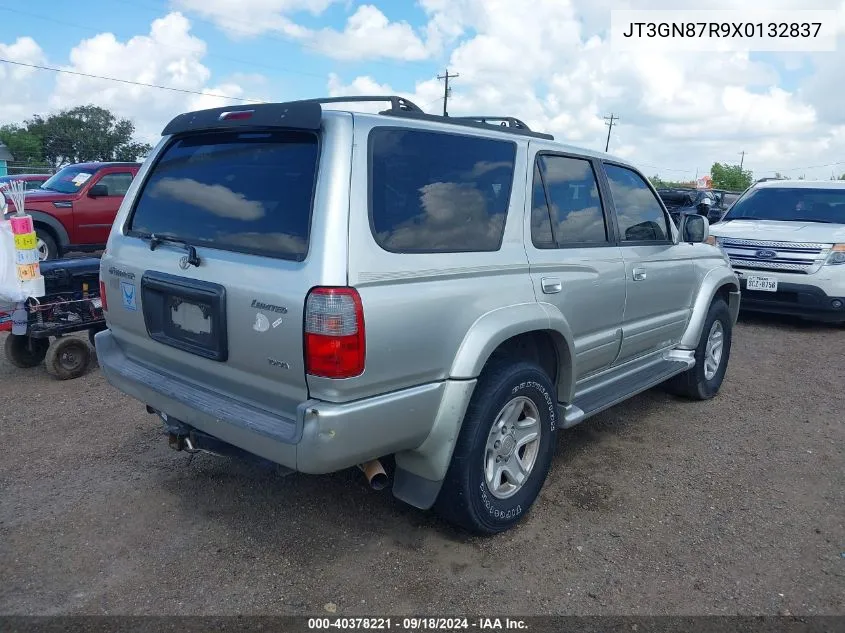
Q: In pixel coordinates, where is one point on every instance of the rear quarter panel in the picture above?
(418, 308)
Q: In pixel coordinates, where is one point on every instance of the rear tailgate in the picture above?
(233, 323)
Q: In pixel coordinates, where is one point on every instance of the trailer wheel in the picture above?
(24, 352)
(68, 358)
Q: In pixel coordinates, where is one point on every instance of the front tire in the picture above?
(504, 449)
(703, 381)
(46, 245)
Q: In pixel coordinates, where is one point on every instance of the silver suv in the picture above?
(324, 289)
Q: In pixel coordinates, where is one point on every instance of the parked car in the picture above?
(323, 289)
(786, 240)
(31, 181)
(681, 201)
(74, 209)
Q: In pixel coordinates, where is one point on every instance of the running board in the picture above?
(605, 396)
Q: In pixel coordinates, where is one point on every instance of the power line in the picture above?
(126, 81)
(609, 125)
(171, 46)
(446, 89)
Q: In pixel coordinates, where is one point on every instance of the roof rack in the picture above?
(307, 114)
(397, 104)
(503, 121)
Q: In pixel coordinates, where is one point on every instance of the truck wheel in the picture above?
(68, 358)
(46, 245)
(703, 381)
(504, 449)
(24, 352)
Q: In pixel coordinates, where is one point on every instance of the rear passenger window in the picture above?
(438, 193)
(567, 209)
(640, 216)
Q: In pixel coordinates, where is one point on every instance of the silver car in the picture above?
(325, 289)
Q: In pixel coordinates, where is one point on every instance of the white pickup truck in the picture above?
(786, 242)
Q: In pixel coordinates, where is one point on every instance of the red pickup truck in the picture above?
(75, 208)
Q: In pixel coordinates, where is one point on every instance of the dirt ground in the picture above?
(658, 506)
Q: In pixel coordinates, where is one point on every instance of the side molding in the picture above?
(713, 281)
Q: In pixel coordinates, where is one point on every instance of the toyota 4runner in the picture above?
(324, 289)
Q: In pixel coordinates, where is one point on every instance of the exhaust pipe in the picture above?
(374, 472)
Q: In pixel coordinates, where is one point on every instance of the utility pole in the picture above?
(446, 90)
(610, 119)
(741, 160)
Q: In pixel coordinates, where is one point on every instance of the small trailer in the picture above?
(71, 303)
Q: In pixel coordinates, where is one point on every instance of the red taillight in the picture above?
(335, 345)
(103, 296)
(237, 115)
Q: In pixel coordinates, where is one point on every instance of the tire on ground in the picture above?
(68, 357)
(694, 383)
(24, 352)
(465, 498)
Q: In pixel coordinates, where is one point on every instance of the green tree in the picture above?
(731, 177)
(86, 133)
(24, 145)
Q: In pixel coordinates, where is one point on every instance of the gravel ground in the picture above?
(658, 506)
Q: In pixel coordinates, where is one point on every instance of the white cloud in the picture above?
(169, 55)
(20, 90)
(370, 35)
(249, 18)
(553, 67)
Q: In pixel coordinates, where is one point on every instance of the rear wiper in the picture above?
(156, 240)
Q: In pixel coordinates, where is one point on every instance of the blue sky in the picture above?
(548, 62)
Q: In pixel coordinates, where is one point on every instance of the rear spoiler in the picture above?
(298, 115)
(305, 114)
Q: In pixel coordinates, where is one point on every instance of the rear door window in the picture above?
(246, 192)
(433, 192)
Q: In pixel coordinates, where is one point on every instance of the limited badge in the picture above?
(127, 292)
(262, 323)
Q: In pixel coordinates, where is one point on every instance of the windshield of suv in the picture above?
(796, 204)
(246, 192)
(68, 180)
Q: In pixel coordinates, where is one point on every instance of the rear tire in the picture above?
(24, 352)
(68, 358)
(504, 449)
(703, 381)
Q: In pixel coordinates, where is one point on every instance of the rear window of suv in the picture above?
(433, 192)
(246, 192)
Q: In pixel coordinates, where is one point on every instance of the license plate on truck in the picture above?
(766, 284)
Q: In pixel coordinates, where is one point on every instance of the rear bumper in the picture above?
(324, 437)
(802, 300)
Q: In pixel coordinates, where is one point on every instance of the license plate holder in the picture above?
(764, 284)
(187, 314)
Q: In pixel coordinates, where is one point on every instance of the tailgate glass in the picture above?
(249, 192)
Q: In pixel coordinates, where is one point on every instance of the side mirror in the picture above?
(704, 206)
(98, 191)
(694, 229)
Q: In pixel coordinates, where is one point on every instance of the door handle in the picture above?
(551, 285)
(638, 274)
